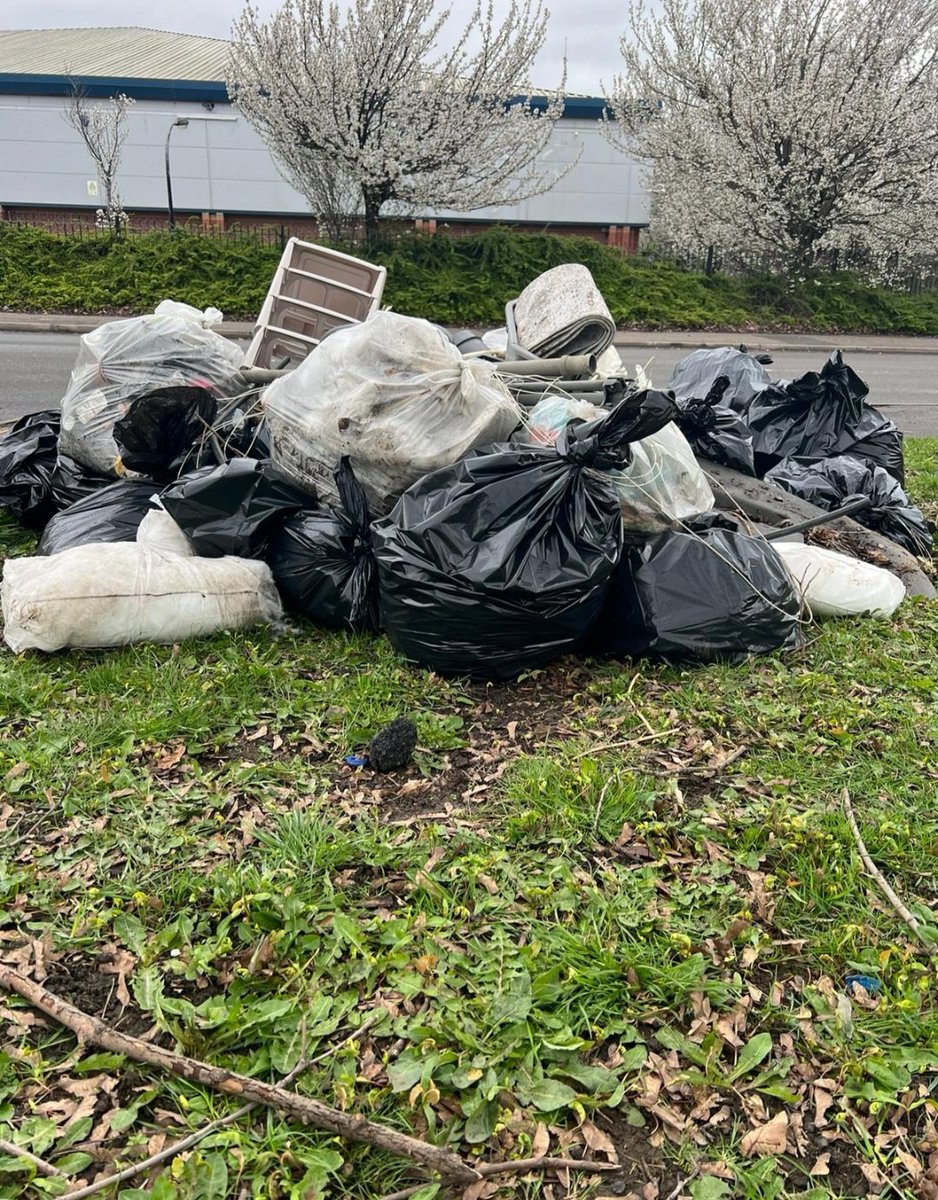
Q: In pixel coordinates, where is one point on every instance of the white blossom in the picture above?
(793, 126)
(103, 129)
(363, 110)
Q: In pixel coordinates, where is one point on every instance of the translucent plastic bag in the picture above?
(112, 594)
(396, 396)
(206, 317)
(661, 484)
(836, 585)
(123, 363)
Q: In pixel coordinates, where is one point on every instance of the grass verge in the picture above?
(612, 909)
(462, 281)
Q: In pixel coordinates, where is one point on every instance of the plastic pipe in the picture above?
(571, 366)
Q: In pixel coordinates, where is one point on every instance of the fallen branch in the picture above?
(312, 1112)
(912, 921)
(193, 1139)
(43, 1167)
(518, 1166)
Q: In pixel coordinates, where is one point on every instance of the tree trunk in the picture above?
(373, 202)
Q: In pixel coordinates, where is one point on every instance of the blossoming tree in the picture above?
(103, 129)
(365, 109)
(791, 125)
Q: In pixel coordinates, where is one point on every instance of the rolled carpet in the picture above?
(563, 312)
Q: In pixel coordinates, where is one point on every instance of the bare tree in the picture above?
(369, 103)
(103, 129)
(790, 125)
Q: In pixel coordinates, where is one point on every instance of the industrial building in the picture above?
(223, 176)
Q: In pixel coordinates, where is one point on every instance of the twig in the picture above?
(675, 1192)
(313, 1112)
(193, 1139)
(43, 1167)
(636, 741)
(711, 768)
(597, 816)
(913, 922)
(518, 1166)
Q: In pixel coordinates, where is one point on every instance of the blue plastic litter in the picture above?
(869, 983)
(357, 760)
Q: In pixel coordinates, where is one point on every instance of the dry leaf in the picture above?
(121, 964)
(822, 1102)
(171, 756)
(719, 1169)
(540, 1143)
(480, 1190)
(873, 1176)
(42, 952)
(911, 1164)
(598, 1141)
(821, 1165)
(769, 1138)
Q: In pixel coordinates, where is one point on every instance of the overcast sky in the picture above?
(588, 30)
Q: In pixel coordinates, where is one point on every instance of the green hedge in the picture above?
(452, 280)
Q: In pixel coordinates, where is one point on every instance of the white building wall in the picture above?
(222, 166)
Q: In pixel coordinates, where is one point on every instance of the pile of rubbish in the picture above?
(489, 504)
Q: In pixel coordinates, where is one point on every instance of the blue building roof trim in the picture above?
(589, 108)
(200, 91)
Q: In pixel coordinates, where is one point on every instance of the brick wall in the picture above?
(80, 220)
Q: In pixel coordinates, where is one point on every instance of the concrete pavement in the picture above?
(866, 343)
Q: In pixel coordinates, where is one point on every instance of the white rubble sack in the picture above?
(836, 585)
(661, 485)
(396, 396)
(158, 531)
(115, 593)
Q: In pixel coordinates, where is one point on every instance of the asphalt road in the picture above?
(34, 372)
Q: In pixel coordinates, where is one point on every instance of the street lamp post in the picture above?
(181, 121)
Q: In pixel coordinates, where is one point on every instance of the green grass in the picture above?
(463, 281)
(566, 920)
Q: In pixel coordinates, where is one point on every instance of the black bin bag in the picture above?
(716, 432)
(27, 460)
(499, 563)
(232, 509)
(72, 482)
(323, 563)
(110, 514)
(706, 594)
(830, 482)
(160, 426)
(821, 415)
(696, 374)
